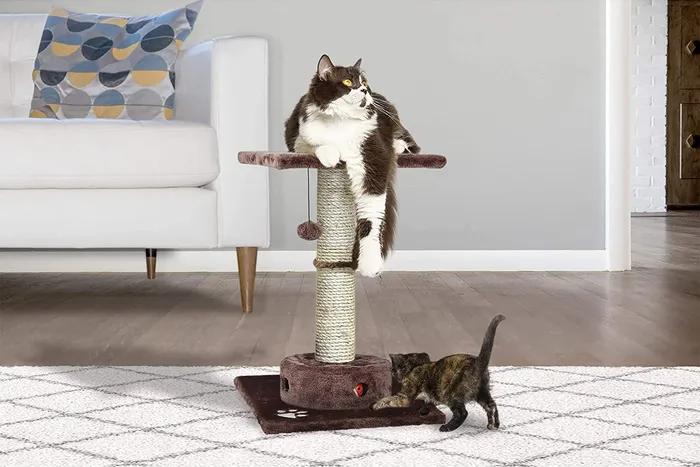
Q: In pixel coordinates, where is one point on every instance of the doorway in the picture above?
(683, 106)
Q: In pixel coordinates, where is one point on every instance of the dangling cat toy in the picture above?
(341, 119)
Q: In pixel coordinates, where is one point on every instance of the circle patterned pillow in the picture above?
(99, 66)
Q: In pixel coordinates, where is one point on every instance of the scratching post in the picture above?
(329, 379)
(335, 277)
(333, 388)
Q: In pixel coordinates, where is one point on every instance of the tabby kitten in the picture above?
(452, 381)
(341, 119)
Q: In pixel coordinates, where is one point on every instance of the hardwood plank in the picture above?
(251, 325)
(647, 316)
(367, 337)
(390, 328)
(275, 331)
(303, 332)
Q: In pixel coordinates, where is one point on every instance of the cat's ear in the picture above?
(324, 67)
(358, 63)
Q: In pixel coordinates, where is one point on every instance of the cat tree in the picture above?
(332, 388)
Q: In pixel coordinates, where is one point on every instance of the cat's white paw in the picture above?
(328, 155)
(370, 265)
(292, 413)
(400, 146)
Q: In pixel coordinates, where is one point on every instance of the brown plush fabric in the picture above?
(262, 394)
(309, 230)
(290, 160)
(308, 383)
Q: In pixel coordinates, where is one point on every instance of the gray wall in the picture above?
(511, 91)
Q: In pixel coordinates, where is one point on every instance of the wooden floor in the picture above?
(649, 316)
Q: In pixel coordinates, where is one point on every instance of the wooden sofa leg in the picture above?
(151, 262)
(247, 261)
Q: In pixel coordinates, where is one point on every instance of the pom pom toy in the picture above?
(309, 230)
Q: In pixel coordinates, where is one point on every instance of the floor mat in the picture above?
(262, 394)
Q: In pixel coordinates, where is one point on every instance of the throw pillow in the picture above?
(115, 67)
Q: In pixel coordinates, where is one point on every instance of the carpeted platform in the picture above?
(194, 416)
(292, 160)
(262, 393)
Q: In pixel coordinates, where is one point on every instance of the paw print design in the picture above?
(292, 413)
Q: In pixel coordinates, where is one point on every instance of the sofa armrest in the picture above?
(223, 82)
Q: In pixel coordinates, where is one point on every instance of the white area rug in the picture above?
(193, 416)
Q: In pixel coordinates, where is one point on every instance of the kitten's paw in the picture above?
(491, 426)
(370, 265)
(447, 427)
(328, 155)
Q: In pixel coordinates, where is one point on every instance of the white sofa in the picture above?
(120, 184)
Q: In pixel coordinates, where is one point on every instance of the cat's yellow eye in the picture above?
(364, 83)
(347, 82)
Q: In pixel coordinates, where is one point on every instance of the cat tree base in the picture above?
(310, 384)
(262, 394)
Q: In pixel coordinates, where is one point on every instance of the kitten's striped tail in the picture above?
(484, 357)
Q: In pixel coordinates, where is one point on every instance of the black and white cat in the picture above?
(341, 119)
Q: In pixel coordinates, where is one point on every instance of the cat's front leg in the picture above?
(370, 262)
(459, 415)
(370, 211)
(370, 203)
(329, 156)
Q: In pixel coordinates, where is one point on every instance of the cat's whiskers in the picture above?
(384, 111)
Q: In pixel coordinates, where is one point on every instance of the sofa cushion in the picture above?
(16, 63)
(96, 153)
(102, 66)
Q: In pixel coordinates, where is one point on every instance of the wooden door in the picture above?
(683, 105)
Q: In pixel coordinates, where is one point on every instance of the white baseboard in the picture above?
(298, 261)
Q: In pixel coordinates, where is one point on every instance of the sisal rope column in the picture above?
(335, 286)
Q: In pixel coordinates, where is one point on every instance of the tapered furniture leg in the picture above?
(247, 261)
(151, 262)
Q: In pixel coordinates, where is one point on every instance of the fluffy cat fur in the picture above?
(340, 118)
(452, 381)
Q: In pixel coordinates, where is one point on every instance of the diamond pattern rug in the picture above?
(193, 416)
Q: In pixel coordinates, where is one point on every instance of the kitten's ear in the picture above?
(358, 63)
(324, 67)
(395, 358)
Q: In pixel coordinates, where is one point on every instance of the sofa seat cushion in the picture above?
(94, 153)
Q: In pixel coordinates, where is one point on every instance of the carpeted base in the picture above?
(310, 384)
(262, 394)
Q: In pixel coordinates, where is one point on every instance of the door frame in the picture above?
(618, 134)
